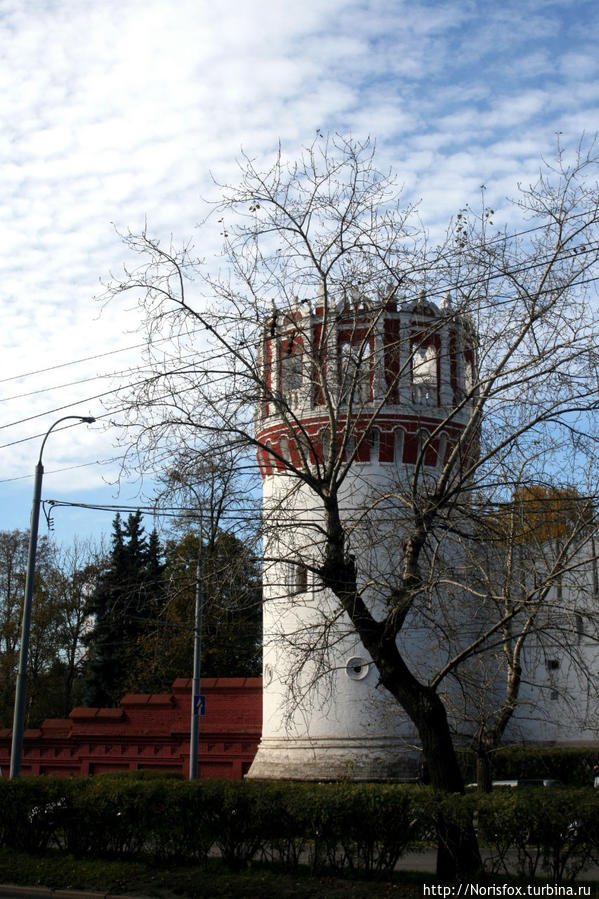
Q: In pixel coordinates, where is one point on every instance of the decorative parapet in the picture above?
(149, 731)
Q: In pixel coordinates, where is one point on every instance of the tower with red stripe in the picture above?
(375, 390)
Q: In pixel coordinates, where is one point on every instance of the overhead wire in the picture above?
(574, 253)
(425, 266)
(202, 358)
(136, 346)
(156, 376)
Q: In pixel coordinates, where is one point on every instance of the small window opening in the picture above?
(468, 372)
(325, 442)
(398, 443)
(297, 578)
(373, 441)
(285, 449)
(355, 371)
(442, 451)
(357, 668)
(424, 375)
(291, 368)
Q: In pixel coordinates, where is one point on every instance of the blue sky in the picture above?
(119, 111)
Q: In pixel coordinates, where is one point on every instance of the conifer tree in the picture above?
(123, 605)
(231, 620)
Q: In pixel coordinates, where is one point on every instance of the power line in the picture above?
(205, 358)
(144, 381)
(28, 477)
(423, 267)
(100, 377)
(78, 403)
(125, 349)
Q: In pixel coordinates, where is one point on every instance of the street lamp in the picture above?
(21, 688)
(194, 732)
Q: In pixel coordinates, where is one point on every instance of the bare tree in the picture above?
(533, 567)
(77, 569)
(207, 495)
(493, 354)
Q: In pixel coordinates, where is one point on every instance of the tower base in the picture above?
(335, 758)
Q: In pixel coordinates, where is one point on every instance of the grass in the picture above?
(60, 871)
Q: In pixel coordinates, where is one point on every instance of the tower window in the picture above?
(357, 668)
(442, 450)
(355, 370)
(291, 366)
(374, 440)
(424, 375)
(399, 437)
(468, 371)
(285, 449)
(297, 580)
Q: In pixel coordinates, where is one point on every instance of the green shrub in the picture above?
(357, 827)
(33, 811)
(551, 831)
(363, 827)
(572, 767)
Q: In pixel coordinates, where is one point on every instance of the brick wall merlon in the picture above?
(157, 700)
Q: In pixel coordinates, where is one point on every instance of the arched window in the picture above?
(305, 447)
(291, 367)
(399, 438)
(268, 457)
(468, 371)
(442, 451)
(355, 371)
(325, 444)
(350, 447)
(285, 448)
(424, 375)
(374, 439)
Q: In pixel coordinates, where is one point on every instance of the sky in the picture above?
(123, 112)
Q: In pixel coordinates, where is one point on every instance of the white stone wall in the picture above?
(325, 717)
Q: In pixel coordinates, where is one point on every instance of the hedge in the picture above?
(362, 828)
(572, 767)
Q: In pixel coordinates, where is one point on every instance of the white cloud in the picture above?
(117, 110)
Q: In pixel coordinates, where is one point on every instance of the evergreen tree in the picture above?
(123, 604)
(231, 621)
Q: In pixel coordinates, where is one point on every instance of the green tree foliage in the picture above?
(63, 579)
(231, 621)
(128, 595)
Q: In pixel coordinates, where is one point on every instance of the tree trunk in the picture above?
(484, 774)
(458, 855)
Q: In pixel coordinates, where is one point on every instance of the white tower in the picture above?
(394, 374)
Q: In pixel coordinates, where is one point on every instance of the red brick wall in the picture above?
(150, 731)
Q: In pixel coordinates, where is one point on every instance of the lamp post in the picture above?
(194, 732)
(21, 688)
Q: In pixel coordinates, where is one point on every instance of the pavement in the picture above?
(8, 891)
